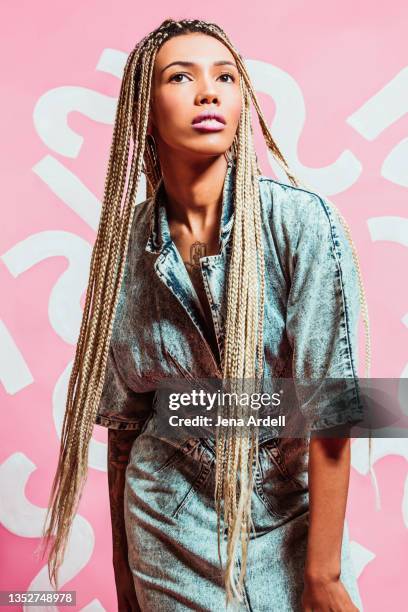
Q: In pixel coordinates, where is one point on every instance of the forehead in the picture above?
(194, 47)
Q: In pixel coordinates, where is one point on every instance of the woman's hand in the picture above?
(326, 595)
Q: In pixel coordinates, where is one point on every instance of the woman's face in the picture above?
(203, 76)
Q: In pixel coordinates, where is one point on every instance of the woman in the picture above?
(173, 292)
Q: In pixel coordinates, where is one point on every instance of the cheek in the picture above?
(234, 109)
(170, 109)
(237, 109)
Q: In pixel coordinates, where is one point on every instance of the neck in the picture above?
(193, 190)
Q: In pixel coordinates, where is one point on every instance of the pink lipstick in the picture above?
(209, 121)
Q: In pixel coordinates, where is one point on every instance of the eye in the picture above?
(227, 74)
(176, 78)
(178, 74)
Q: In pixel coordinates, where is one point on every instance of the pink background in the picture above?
(332, 79)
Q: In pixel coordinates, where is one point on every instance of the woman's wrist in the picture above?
(322, 572)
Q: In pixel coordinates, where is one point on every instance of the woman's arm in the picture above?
(119, 447)
(329, 473)
(322, 318)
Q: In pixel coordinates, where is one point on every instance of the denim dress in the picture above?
(159, 333)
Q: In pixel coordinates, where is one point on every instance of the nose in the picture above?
(208, 98)
(207, 93)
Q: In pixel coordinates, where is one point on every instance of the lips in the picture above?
(208, 115)
(209, 121)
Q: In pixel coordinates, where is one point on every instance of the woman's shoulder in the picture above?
(142, 215)
(143, 208)
(291, 201)
(294, 211)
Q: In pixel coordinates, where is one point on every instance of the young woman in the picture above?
(221, 272)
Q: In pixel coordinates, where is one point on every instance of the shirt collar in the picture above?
(160, 236)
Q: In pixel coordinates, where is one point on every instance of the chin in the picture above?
(209, 151)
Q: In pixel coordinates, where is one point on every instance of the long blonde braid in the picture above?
(243, 355)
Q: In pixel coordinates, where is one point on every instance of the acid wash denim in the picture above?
(310, 331)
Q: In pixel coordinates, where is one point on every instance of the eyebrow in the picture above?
(185, 63)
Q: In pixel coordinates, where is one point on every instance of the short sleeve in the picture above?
(322, 319)
(120, 407)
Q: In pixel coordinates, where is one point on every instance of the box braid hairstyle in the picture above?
(236, 452)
